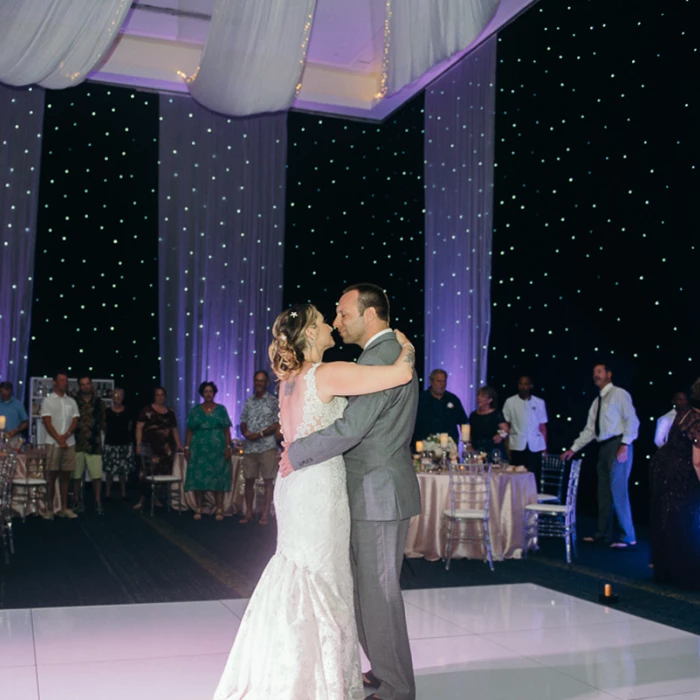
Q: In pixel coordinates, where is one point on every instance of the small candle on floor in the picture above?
(608, 590)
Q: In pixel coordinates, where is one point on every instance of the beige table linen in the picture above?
(234, 500)
(510, 493)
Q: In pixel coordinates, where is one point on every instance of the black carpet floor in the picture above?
(126, 557)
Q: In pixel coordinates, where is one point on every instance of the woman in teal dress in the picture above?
(208, 450)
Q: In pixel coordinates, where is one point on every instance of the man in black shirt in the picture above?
(439, 411)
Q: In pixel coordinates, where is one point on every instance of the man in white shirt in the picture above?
(60, 415)
(613, 423)
(527, 426)
(663, 425)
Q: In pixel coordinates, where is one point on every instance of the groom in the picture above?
(374, 435)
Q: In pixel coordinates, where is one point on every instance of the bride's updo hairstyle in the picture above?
(286, 350)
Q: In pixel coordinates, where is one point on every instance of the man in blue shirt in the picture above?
(16, 420)
(439, 411)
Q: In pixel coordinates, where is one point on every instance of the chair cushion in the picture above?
(546, 508)
(544, 497)
(164, 479)
(29, 482)
(465, 514)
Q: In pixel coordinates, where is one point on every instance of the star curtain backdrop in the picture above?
(596, 252)
(21, 118)
(459, 152)
(221, 249)
(95, 274)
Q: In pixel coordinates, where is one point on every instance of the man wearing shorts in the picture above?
(259, 425)
(88, 446)
(60, 415)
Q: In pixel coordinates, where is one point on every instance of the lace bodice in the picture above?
(316, 414)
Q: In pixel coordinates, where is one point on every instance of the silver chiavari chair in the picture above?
(468, 515)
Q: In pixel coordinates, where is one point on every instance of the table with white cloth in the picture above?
(234, 500)
(510, 493)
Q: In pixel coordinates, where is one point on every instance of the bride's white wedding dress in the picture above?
(298, 639)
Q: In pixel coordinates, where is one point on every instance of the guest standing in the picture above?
(259, 425)
(527, 426)
(16, 419)
(60, 415)
(613, 423)
(675, 499)
(663, 425)
(156, 430)
(208, 450)
(439, 410)
(119, 443)
(88, 440)
(489, 428)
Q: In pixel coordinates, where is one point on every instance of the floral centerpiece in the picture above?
(432, 444)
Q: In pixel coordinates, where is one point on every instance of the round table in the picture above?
(510, 493)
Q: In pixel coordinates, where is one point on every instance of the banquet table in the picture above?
(234, 501)
(510, 493)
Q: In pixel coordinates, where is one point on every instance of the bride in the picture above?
(298, 639)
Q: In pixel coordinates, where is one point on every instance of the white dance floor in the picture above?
(519, 642)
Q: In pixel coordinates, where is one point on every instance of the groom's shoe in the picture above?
(369, 680)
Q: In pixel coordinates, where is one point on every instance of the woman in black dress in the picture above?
(119, 444)
(156, 430)
(488, 425)
(675, 500)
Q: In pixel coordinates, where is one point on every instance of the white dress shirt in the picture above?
(62, 410)
(525, 417)
(663, 427)
(617, 417)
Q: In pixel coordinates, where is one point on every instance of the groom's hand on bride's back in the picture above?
(285, 465)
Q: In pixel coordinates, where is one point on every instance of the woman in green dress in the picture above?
(208, 450)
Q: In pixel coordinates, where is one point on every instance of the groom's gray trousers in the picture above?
(377, 549)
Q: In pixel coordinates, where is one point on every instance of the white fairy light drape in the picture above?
(419, 34)
(459, 171)
(221, 194)
(21, 124)
(254, 56)
(56, 43)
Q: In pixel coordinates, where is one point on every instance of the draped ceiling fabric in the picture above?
(459, 164)
(56, 43)
(21, 120)
(254, 56)
(419, 34)
(221, 249)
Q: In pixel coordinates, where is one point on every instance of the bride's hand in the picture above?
(401, 338)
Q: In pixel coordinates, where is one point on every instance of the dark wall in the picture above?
(595, 247)
(95, 283)
(355, 214)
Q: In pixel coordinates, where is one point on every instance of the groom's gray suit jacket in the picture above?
(373, 435)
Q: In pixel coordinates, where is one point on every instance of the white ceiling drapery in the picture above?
(254, 56)
(419, 35)
(56, 43)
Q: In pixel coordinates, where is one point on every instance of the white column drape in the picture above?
(459, 172)
(221, 201)
(21, 124)
(419, 34)
(56, 43)
(254, 56)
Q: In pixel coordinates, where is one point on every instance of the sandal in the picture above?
(197, 514)
(623, 545)
(219, 514)
(245, 520)
(264, 520)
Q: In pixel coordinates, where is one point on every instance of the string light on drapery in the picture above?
(221, 237)
(386, 50)
(304, 49)
(594, 256)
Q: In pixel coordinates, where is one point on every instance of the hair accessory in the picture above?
(283, 337)
(294, 314)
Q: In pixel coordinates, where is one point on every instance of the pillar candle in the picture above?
(444, 439)
(466, 432)
(2, 422)
(419, 446)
